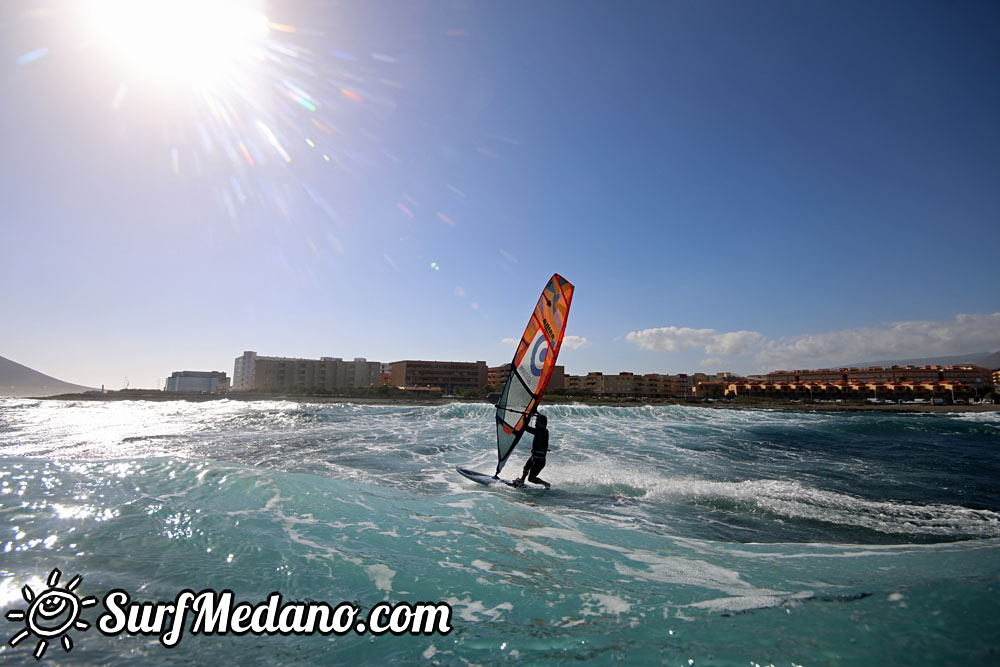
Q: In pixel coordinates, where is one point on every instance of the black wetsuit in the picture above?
(539, 448)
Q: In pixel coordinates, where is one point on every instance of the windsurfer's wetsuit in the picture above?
(539, 448)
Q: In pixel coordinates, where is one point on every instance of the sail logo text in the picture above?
(548, 329)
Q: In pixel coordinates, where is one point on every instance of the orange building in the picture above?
(496, 376)
(968, 374)
(590, 382)
(630, 385)
(945, 383)
(450, 376)
(976, 376)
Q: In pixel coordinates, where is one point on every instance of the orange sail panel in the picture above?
(532, 366)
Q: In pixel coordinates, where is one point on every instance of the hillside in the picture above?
(19, 380)
(984, 359)
(991, 361)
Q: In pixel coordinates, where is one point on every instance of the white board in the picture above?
(481, 477)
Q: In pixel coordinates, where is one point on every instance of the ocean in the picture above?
(672, 535)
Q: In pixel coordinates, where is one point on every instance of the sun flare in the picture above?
(181, 41)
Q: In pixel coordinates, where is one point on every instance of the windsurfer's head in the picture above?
(541, 421)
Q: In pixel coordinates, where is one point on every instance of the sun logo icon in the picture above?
(51, 614)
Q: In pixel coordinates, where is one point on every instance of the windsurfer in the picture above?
(539, 448)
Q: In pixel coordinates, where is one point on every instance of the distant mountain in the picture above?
(991, 361)
(19, 380)
(985, 359)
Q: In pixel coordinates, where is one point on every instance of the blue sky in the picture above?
(730, 185)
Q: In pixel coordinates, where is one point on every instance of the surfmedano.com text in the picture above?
(218, 614)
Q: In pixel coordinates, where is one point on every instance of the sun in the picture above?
(51, 614)
(194, 42)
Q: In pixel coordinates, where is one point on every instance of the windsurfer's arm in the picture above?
(527, 424)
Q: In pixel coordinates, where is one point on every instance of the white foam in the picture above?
(785, 498)
(602, 603)
(526, 546)
(381, 575)
(474, 611)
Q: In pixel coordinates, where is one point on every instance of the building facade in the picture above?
(630, 385)
(450, 376)
(975, 376)
(209, 382)
(876, 383)
(496, 376)
(256, 373)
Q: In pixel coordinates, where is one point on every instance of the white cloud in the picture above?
(569, 342)
(670, 339)
(964, 334)
(674, 339)
(735, 342)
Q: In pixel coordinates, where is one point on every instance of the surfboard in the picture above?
(481, 477)
(530, 371)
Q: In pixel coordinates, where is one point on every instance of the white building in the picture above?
(210, 382)
(255, 373)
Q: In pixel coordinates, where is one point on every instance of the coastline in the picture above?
(153, 395)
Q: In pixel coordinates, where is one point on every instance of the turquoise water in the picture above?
(673, 535)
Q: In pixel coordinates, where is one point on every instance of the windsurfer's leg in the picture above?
(524, 473)
(535, 469)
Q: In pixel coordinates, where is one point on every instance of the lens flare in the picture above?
(193, 41)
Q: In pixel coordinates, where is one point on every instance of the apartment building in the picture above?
(450, 376)
(621, 385)
(655, 385)
(630, 385)
(972, 375)
(975, 376)
(590, 382)
(497, 376)
(256, 373)
(947, 383)
(210, 382)
(819, 375)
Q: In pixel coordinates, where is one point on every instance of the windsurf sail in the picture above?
(532, 365)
